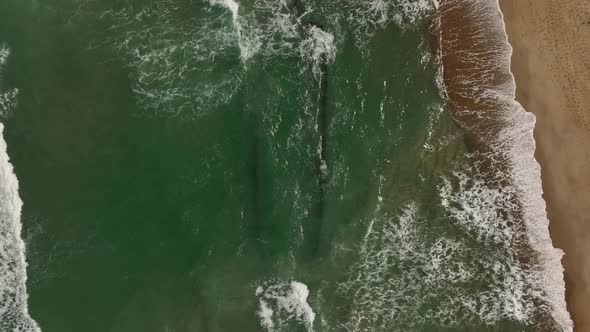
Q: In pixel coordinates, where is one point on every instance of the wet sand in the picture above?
(551, 65)
(480, 95)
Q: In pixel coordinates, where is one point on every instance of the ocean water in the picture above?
(267, 165)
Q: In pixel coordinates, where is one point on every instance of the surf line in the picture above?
(480, 90)
(315, 231)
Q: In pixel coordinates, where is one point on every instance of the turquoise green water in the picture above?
(183, 169)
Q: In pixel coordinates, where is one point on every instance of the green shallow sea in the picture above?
(194, 165)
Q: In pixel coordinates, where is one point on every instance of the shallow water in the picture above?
(254, 166)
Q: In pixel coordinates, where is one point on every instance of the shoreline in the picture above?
(481, 90)
(550, 62)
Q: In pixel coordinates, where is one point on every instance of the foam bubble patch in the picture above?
(283, 306)
(8, 97)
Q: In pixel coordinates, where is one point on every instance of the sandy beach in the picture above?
(551, 65)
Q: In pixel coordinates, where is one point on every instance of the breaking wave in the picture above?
(414, 272)
(14, 315)
(480, 92)
(283, 305)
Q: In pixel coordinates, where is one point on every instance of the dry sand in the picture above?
(551, 64)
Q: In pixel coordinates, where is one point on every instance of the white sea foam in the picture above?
(511, 142)
(265, 313)
(406, 279)
(229, 4)
(176, 60)
(370, 15)
(318, 48)
(284, 304)
(8, 97)
(4, 53)
(248, 39)
(14, 314)
(527, 178)
(8, 102)
(167, 50)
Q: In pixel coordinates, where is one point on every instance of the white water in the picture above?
(14, 314)
(513, 143)
(283, 304)
(473, 208)
(229, 4)
(7, 98)
(402, 272)
(318, 47)
(175, 63)
(527, 176)
(248, 41)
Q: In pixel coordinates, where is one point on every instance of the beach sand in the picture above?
(551, 65)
